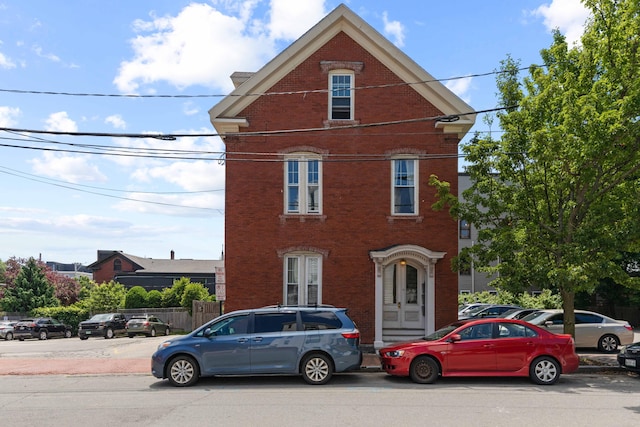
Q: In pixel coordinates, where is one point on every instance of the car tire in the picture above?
(167, 332)
(153, 332)
(43, 335)
(21, 339)
(84, 337)
(424, 370)
(130, 335)
(608, 344)
(544, 371)
(183, 371)
(68, 334)
(108, 334)
(8, 337)
(317, 369)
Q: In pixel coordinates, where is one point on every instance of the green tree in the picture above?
(30, 290)
(172, 297)
(557, 196)
(154, 298)
(193, 292)
(106, 297)
(136, 297)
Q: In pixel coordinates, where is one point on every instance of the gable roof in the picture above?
(165, 266)
(223, 115)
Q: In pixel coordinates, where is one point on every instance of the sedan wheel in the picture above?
(183, 371)
(43, 335)
(608, 344)
(9, 336)
(153, 332)
(317, 369)
(67, 334)
(424, 370)
(544, 371)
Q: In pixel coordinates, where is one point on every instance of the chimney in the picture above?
(173, 254)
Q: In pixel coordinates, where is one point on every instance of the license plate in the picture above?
(88, 332)
(630, 362)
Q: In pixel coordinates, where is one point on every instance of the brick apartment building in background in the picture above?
(338, 211)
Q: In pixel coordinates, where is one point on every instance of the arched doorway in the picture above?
(404, 293)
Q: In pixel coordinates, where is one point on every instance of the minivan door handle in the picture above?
(242, 340)
(257, 339)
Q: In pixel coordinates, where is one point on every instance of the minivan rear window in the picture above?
(319, 320)
(275, 322)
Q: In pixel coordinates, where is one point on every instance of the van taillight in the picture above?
(351, 335)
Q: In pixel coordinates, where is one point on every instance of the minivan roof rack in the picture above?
(300, 306)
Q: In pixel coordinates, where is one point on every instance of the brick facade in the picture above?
(356, 187)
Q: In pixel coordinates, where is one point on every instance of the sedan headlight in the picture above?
(395, 353)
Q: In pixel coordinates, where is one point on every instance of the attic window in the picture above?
(341, 95)
(117, 265)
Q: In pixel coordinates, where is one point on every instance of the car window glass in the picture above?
(274, 322)
(477, 332)
(231, 325)
(319, 320)
(587, 318)
(556, 319)
(513, 330)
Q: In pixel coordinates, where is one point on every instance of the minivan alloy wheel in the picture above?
(317, 369)
(183, 371)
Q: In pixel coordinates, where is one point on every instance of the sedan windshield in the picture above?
(442, 332)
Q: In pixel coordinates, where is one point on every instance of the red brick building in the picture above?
(329, 149)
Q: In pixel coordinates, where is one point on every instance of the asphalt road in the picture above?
(372, 399)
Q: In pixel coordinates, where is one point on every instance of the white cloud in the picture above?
(568, 16)
(6, 62)
(60, 122)
(73, 169)
(202, 45)
(460, 87)
(393, 29)
(190, 109)
(8, 116)
(50, 56)
(292, 18)
(116, 121)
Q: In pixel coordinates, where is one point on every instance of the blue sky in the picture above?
(62, 204)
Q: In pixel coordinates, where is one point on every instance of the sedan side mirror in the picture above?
(454, 338)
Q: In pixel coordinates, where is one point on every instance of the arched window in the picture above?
(117, 265)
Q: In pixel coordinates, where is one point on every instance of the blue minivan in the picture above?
(313, 342)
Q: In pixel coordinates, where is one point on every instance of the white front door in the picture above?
(403, 296)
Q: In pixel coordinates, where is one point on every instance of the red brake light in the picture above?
(628, 327)
(146, 323)
(351, 335)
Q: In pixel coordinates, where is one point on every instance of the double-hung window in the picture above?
(341, 96)
(405, 189)
(303, 185)
(303, 279)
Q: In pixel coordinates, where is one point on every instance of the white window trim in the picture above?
(416, 189)
(352, 75)
(303, 185)
(303, 277)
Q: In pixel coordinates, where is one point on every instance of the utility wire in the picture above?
(300, 92)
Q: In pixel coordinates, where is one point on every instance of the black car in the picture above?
(41, 328)
(629, 357)
(106, 325)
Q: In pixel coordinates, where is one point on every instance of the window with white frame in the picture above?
(303, 176)
(303, 279)
(341, 96)
(405, 189)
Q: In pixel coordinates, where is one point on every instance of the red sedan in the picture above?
(481, 348)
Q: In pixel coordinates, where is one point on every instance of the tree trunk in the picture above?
(568, 305)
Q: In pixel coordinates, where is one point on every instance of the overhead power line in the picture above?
(298, 92)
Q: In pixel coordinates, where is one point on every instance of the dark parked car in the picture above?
(518, 313)
(147, 325)
(494, 310)
(313, 342)
(6, 329)
(41, 328)
(484, 347)
(105, 325)
(629, 357)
